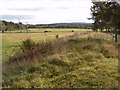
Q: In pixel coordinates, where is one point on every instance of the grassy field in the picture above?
(11, 41)
(41, 30)
(80, 60)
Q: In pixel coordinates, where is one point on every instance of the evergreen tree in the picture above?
(106, 15)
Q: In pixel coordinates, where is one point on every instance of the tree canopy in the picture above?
(10, 26)
(106, 15)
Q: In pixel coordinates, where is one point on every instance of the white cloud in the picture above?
(48, 11)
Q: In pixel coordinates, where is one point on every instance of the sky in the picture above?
(45, 11)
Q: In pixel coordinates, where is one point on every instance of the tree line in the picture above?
(106, 15)
(10, 26)
(63, 25)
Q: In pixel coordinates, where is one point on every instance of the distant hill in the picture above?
(10, 26)
(74, 23)
(64, 25)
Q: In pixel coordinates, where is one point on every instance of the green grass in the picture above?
(84, 60)
(50, 29)
(9, 49)
(11, 41)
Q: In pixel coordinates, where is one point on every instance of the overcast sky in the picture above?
(45, 11)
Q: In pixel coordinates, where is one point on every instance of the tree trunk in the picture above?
(108, 30)
(115, 34)
(3, 31)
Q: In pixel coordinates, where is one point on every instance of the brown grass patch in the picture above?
(109, 50)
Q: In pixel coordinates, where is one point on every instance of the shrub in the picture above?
(20, 31)
(57, 36)
(46, 31)
(72, 30)
(27, 45)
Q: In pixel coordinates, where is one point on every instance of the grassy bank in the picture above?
(83, 60)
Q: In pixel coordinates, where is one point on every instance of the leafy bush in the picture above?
(57, 36)
(27, 45)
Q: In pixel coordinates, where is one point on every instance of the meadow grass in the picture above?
(82, 60)
(41, 30)
(11, 41)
